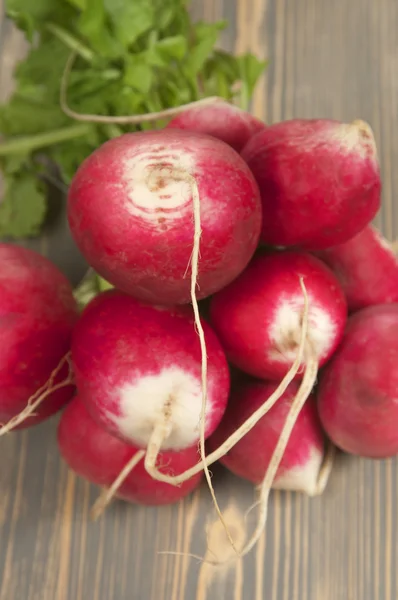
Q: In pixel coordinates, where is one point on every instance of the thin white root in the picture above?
(306, 387)
(163, 430)
(203, 350)
(159, 434)
(297, 404)
(108, 494)
(326, 468)
(200, 559)
(304, 391)
(38, 397)
(251, 421)
(121, 120)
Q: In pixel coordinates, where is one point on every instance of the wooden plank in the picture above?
(327, 59)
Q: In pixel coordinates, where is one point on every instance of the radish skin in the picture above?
(221, 120)
(257, 317)
(119, 310)
(302, 460)
(145, 377)
(366, 267)
(96, 455)
(130, 210)
(319, 181)
(37, 315)
(293, 413)
(358, 389)
(251, 421)
(138, 365)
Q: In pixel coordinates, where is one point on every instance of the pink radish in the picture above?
(221, 120)
(148, 376)
(366, 267)
(319, 181)
(137, 201)
(258, 316)
(302, 460)
(98, 456)
(37, 314)
(358, 390)
(138, 369)
(311, 368)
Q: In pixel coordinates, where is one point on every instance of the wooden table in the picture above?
(327, 59)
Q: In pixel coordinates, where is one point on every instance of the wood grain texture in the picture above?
(327, 59)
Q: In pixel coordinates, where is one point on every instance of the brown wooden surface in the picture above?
(327, 59)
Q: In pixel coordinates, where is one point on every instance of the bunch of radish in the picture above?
(230, 247)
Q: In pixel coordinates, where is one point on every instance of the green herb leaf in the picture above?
(24, 116)
(87, 289)
(130, 19)
(174, 47)
(14, 163)
(206, 35)
(103, 284)
(139, 74)
(37, 10)
(23, 207)
(133, 57)
(32, 15)
(93, 26)
(250, 69)
(81, 4)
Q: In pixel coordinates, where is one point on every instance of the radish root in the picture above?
(239, 433)
(326, 468)
(108, 494)
(121, 120)
(304, 391)
(163, 428)
(200, 332)
(42, 393)
(160, 433)
(265, 488)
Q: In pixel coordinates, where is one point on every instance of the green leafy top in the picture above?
(132, 58)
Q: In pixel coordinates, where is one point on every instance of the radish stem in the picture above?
(30, 143)
(122, 120)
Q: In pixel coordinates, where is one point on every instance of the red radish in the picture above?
(98, 456)
(319, 181)
(249, 458)
(258, 317)
(244, 427)
(358, 389)
(37, 314)
(138, 369)
(366, 267)
(241, 315)
(221, 120)
(131, 211)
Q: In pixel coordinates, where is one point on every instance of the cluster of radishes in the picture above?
(268, 227)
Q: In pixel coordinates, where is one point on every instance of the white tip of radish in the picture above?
(286, 330)
(357, 137)
(302, 478)
(144, 403)
(156, 189)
